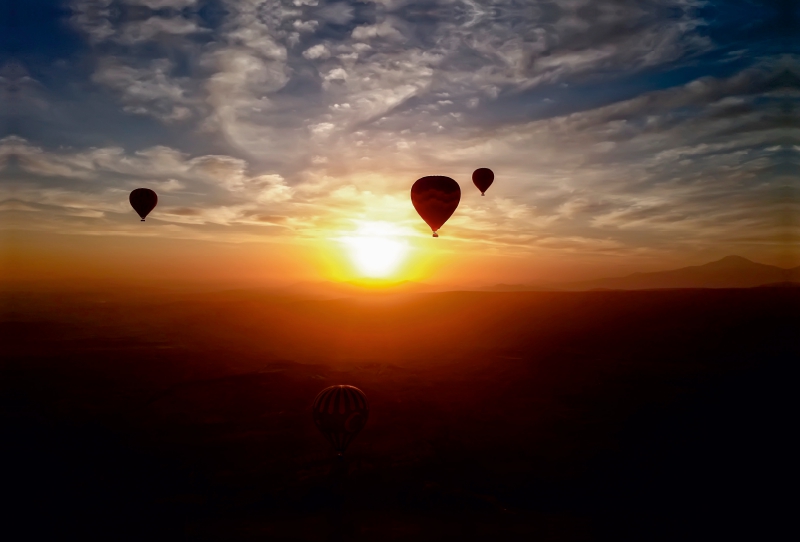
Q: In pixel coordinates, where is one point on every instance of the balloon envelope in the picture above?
(143, 200)
(435, 198)
(339, 413)
(483, 178)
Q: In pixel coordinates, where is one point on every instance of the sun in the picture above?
(376, 249)
(376, 256)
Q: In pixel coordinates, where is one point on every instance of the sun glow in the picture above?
(376, 249)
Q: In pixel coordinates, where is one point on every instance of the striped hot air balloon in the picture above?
(435, 198)
(143, 200)
(339, 413)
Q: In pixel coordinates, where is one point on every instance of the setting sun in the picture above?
(376, 249)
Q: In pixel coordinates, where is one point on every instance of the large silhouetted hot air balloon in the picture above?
(435, 198)
(143, 200)
(483, 178)
(339, 413)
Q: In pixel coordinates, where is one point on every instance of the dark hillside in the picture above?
(651, 415)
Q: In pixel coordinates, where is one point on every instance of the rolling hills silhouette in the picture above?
(729, 272)
(338, 290)
(606, 415)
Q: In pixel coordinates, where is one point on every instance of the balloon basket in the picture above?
(435, 234)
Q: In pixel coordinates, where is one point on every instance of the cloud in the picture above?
(112, 171)
(318, 51)
(466, 51)
(325, 111)
(107, 20)
(160, 4)
(93, 17)
(383, 30)
(149, 90)
(142, 31)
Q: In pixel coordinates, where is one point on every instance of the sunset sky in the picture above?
(283, 136)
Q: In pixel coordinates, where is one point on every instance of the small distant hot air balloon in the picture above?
(435, 198)
(483, 178)
(339, 413)
(143, 200)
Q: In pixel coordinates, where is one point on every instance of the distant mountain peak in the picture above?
(729, 272)
(736, 260)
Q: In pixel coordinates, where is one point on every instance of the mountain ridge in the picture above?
(728, 272)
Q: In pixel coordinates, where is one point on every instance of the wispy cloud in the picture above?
(621, 125)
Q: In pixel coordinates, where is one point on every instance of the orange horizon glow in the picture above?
(344, 256)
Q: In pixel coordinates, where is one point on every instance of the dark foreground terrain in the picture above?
(650, 415)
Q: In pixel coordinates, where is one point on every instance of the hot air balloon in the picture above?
(483, 178)
(339, 413)
(435, 198)
(143, 200)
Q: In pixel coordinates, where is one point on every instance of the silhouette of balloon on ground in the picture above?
(143, 200)
(339, 413)
(435, 198)
(483, 178)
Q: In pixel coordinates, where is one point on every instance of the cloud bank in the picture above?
(614, 127)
